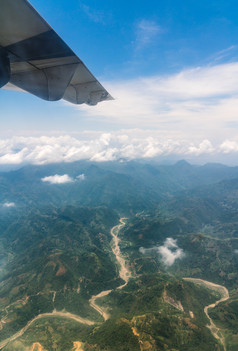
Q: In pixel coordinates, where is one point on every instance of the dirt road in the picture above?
(222, 290)
(44, 315)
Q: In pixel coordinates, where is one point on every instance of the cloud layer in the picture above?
(130, 144)
(189, 114)
(169, 252)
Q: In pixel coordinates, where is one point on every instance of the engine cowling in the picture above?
(5, 70)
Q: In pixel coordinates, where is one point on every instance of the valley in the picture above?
(224, 296)
(101, 264)
(124, 273)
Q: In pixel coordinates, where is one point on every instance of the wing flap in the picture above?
(85, 88)
(49, 84)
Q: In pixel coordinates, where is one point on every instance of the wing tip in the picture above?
(109, 97)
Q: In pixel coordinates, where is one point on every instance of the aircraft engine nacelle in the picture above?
(5, 70)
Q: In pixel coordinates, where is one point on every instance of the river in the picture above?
(124, 273)
(222, 290)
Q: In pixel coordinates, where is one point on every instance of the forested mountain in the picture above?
(124, 186)
(61, 244)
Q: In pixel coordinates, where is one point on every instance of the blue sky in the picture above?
(172, 67)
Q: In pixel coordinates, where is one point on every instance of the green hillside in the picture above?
(56, 259)
(56, 252)
(127, 187)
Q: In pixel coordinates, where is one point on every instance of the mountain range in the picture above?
(58, 253)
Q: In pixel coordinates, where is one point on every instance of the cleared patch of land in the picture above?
(36, 347)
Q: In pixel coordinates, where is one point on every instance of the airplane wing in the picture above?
(35, 59)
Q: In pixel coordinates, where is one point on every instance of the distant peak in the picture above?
(182, 163)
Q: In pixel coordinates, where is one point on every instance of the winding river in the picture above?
(124, 273)
(222, 290)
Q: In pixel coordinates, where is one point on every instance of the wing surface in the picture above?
(34, 58)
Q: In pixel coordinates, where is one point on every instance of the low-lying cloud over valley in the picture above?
(58, 179)
(9, 204)
(62, 179)
(168, 253)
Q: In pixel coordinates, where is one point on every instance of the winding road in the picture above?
(124, 273)
(222, 290)
(44, 315)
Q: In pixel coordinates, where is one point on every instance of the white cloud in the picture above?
(61, 179)
(196, 103)
(229, 146)
(146, 32)
(58, 179)
(9, 204)
(169, 252)
(190, 114)
(203, 148)
(81, 177)
(125, 144)
(222, 54)
(94, 15)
